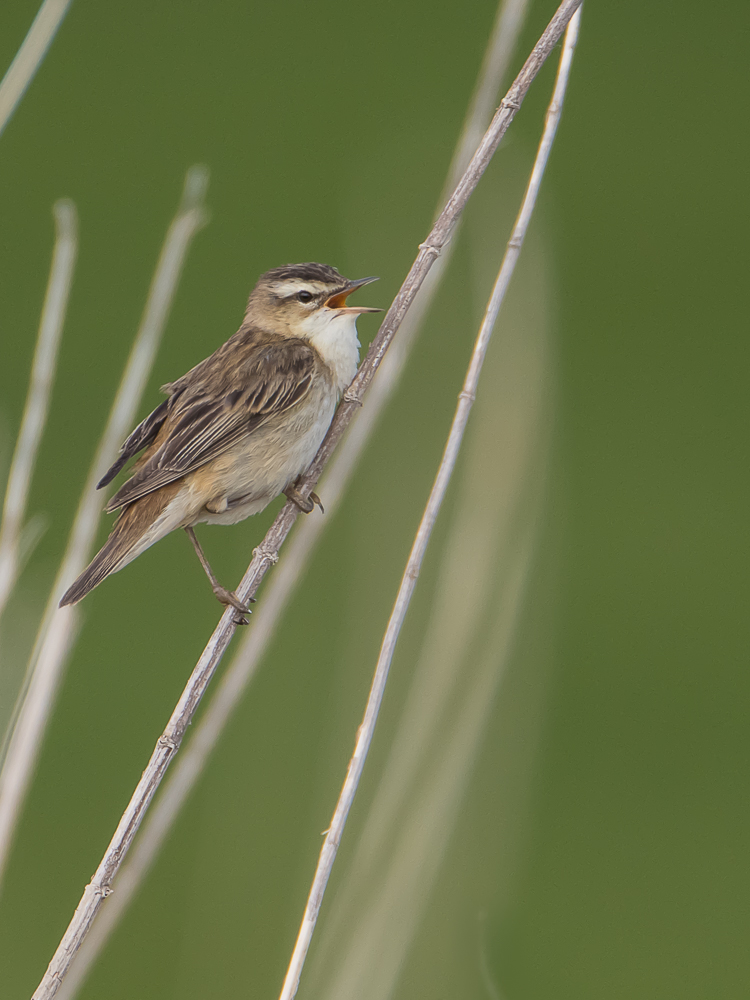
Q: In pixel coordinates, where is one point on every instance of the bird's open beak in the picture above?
(338, 301)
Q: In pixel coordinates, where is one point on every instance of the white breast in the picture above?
(334, 337)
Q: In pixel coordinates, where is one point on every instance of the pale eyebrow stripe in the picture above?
(290, 286)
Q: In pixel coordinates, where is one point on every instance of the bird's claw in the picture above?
(230, 599)
(305, 504)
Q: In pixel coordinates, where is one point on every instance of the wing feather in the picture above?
(144, 434)
(218, 407)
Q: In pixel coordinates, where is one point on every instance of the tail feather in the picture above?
(106, 561)
(139, 525)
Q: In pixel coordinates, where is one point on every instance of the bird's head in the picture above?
(300, 300)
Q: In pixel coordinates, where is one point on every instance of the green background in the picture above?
(617, 749)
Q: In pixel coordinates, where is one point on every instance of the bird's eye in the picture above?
(304, 296)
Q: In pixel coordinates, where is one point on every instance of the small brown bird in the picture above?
(239, 428)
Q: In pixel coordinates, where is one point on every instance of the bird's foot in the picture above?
(305, 504)
(230, 599)
(316, 499)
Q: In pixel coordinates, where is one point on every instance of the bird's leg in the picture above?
(306, 505)
(221, 593)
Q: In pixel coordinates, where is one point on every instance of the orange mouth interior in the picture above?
(338, 300)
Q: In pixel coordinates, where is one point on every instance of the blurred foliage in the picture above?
(618, 749)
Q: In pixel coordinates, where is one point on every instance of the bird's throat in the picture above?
(334, 337)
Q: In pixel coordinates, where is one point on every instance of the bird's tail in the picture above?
(139, 525)
(106, 561)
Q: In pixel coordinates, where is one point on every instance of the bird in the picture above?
(239, 428)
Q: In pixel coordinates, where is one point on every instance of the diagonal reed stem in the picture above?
(37, 400)
(411, 573)
(266, 554)
(233, 685)
(29, 57)
(59, 625)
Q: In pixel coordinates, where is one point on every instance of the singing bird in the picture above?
(241, 427)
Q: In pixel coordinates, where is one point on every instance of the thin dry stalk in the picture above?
(409, 581)
(29, 57)
(12, 541)
(267, 553)
(507, 27)
(487, 557)
(371, 956)
(235, 681)
(59, 625)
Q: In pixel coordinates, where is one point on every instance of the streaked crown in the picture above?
(306, 283)
(286, 296)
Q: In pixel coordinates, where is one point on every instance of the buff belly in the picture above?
(246, 478)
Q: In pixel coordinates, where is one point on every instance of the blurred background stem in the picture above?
(13, 545)
(29, 57)
(59, 626)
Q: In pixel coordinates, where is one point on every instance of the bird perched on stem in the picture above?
(239, 428)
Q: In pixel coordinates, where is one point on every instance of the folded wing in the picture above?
(144, 435)
(214, 407)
